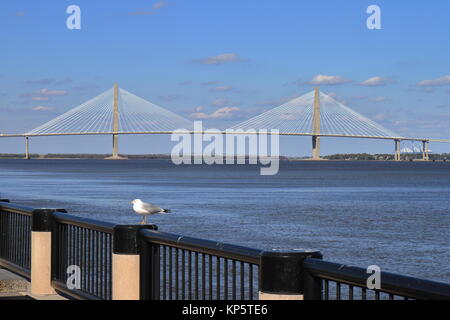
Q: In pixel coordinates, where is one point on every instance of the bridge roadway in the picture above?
(24, 135)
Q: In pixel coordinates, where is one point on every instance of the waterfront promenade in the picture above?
(15, 287)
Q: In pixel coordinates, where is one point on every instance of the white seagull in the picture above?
(146, 209)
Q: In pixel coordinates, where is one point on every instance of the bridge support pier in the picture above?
(27, 148)
(398, 153)
(425, 151)
(316, 148)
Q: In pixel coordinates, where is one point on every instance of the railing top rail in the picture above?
(223, 250)
(390, 283)
(97, 225)
(6, 206)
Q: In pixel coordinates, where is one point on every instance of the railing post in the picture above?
(41, 252)
(126, 262)
(283, 277)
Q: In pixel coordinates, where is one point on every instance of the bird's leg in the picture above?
(145, 219)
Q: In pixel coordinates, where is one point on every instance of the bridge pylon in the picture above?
(316, 127)
(115, 136)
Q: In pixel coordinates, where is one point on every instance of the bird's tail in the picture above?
(166, 211)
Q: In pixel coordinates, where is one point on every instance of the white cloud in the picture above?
(443, 81)
(221, 89)
(221, 113)
(220, 59)
(46, 82)
(50, 93)
(159, 5)
(375, 82)
(185, 83)
(380, 117)
(170, 97)
(40, 98)
(322, 79)
(44, 94)
(155, 7)
(42, 108)
(220, 102)
(378, 99)
(210, 83)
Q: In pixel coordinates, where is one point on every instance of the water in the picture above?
(395, 215)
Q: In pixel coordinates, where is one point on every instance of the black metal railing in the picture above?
(342, 282)
(85, 244)
(197, 269)
(174, 267)
(15, 238)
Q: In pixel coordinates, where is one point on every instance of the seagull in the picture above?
(146, 209)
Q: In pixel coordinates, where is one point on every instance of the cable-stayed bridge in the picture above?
(118, 112)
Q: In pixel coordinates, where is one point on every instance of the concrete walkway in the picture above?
(14, 287)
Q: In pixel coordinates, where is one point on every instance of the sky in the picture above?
(225, 62)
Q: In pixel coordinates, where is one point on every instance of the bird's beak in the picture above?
(130, 202)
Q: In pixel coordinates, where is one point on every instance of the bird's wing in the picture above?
(151, 208)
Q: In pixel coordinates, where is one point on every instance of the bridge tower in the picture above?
(316, 127)
(115, 147)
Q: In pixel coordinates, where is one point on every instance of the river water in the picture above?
(394, 215)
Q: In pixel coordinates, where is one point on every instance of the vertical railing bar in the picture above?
(14, 237)
(203, 277)
(170, 273)
(234, 280)
(225, 280)
(103, 264)
(164, 250)
(110, 253)
(242, 280)
(338, 291)
(97, 276)
(183, 274)
(83, 258)
(250, 275)
(91, 262)
(196, 276)
(190, 274)
(217, 277)
(176, 273)
(350, 292)
(210, 276)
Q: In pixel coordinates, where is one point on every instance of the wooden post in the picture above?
(41, 252)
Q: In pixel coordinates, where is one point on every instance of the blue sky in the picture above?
(226, 61)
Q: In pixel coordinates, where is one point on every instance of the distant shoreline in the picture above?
(336, 157)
